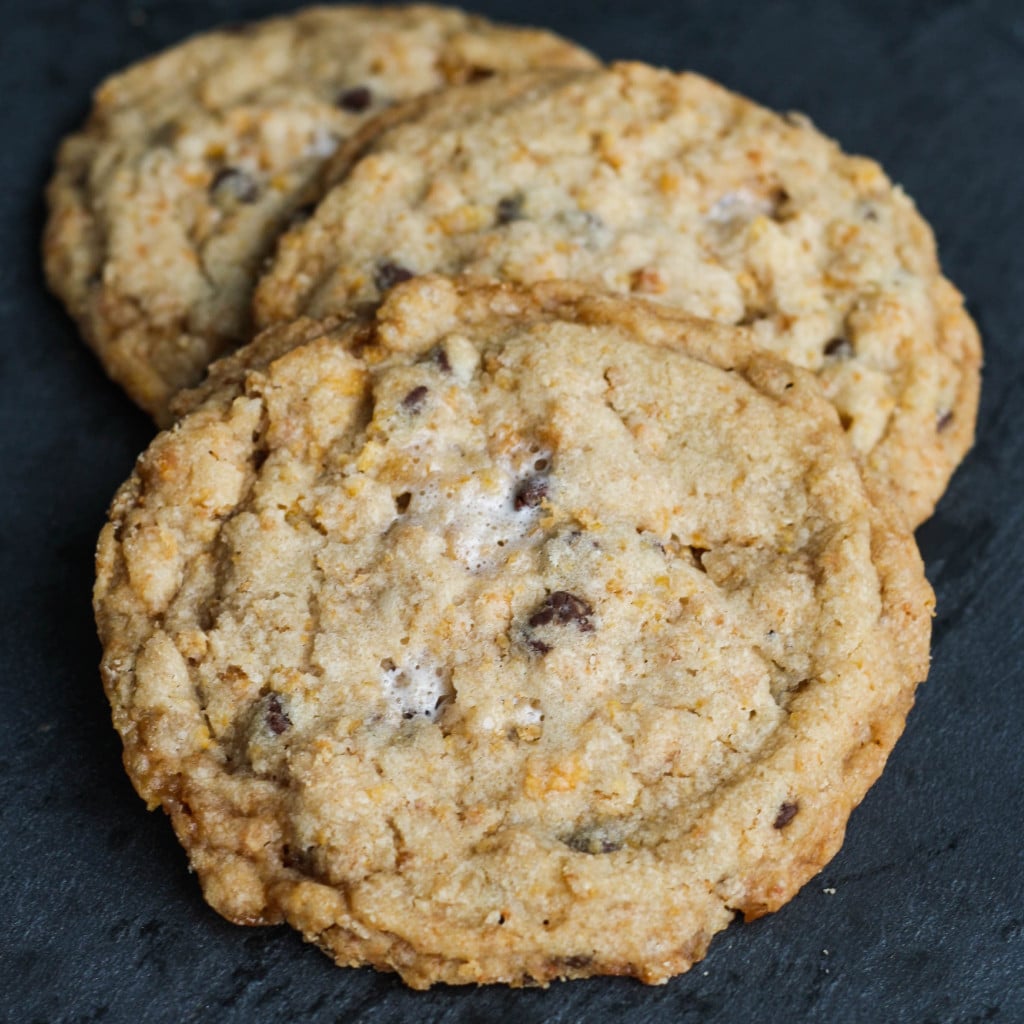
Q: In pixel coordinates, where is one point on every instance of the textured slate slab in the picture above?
(99, 918)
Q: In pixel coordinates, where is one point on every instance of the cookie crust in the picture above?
(164, 206)
(669, 187)
(506, 635)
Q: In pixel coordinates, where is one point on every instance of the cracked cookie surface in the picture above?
(670, 187)
(163, 207)
(507, 634)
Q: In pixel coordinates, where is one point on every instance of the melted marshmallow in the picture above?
(479, 516)
(415, 689)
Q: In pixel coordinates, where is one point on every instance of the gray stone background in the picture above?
(99, 918)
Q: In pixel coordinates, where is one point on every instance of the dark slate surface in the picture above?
(99, 918)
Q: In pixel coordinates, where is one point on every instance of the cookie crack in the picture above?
(221, 560)
(314, 610)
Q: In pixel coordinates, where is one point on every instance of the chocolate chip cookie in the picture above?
(507, 634)
(163, 207)
(666, 186)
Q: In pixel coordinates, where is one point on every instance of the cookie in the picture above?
(666, 186)
(163, 207)
(507, 635)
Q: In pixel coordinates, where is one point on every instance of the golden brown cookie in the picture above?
(667, 186)
(163, 207)
(507, 635)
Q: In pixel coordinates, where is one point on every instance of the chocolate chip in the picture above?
(439, 358)
(558, 609)
(277, 721)
(569, 608)
(402, 504)
(542, 618)
(413, 401)
(839, 348)
(234, 184)
(592, 839)
(531, 492)
(509, 209)
(944, 420)
(356, 99)
(787, 812)
(563, 608)
(388, 274)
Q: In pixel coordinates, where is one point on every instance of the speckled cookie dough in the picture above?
(667, 186)
(164, 206)
(507, 635)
